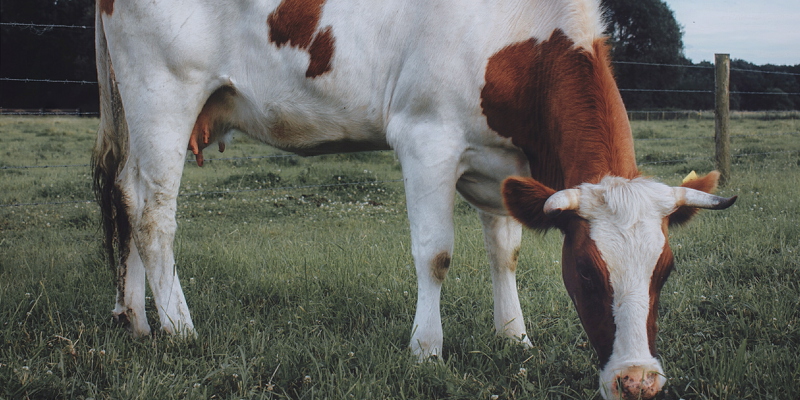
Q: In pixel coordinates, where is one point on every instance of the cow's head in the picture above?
(615, 260)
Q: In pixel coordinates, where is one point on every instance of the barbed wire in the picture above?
(50, 113)
(705, 67)
(29, 80)
(764, 72)
(44, 26)
(706, 91)
(32, 113)
(712, 137)
(662, 65)
(771, 93)
(667, 90)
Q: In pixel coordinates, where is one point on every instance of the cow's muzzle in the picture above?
(636, 383)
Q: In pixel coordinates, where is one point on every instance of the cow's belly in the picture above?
(319, 130)
(293, 121)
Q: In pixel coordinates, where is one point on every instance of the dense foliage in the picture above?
(640, 30)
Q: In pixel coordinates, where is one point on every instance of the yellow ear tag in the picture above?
(692, 176)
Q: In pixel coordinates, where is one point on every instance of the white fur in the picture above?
(626, 219)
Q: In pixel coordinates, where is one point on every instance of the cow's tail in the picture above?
(109, 155)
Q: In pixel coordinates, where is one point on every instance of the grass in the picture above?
(309, 293)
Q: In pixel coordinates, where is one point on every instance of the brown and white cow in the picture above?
(467, 93)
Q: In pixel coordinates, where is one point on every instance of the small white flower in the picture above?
(307, 379)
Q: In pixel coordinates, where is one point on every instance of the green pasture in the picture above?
(300, 279)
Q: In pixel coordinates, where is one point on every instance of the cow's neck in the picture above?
(561, 106)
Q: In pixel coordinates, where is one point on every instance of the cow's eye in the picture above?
(586, 269)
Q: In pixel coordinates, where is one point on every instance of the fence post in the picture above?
(722, 115)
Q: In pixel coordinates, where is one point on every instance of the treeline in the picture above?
(641, 31)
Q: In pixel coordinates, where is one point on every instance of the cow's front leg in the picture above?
(502, 236)
(430, 193)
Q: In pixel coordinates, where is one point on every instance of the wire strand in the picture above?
(662, 65)
(29, 80)
(45, 26)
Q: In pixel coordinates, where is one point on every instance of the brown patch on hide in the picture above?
(321, 52)
(586, 278)
(440, 265)
(294, 23)
(107, 7)
(561, 106)
(664, 266)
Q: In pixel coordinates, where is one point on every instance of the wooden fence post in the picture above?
(722, 115)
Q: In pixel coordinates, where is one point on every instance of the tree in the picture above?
(645, 31)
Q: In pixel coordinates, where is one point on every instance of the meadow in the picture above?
(300, 279)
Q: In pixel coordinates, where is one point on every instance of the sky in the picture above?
(758, 31)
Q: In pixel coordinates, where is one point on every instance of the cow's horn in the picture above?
(695, 198)
(567, 199)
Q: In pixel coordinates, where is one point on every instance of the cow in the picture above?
(511, 103)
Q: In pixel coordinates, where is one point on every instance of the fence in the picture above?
(674, 115)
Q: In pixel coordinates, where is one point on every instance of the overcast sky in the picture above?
(758, 31)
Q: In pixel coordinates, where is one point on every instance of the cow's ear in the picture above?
(707, 184)
(524, 199)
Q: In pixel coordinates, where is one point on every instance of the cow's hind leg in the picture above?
(150, 182)
(502, 236)
(152, 175)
